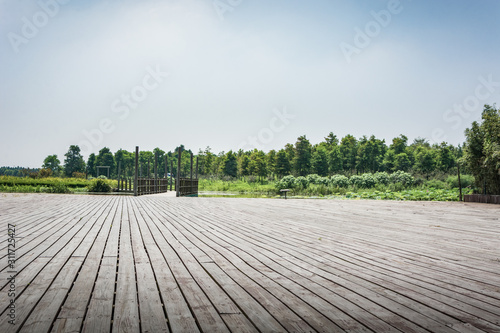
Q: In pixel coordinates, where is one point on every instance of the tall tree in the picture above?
(482, 150)
(106, 158)
(244, 165)
(52, 162)
(319, 161)
(335, 160)
(283, 167)
(74, 161)
(349, 150)
(399, 144)
(230, 166)
(271, 161)
(303, 152)
(91, 162)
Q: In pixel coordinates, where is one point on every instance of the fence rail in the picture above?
(483, 198)
(188, 187)
(125, 184)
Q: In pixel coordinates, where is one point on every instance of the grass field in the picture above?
(46, 185)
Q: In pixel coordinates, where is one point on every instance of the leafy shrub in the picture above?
(339, 181)
(285, 182)
(102, 177)
(99, 185)
(418, 181)
(58, 188)
(436, 184)
(366, 180)
(78, 175)
(382, 178)
(313, 179)
(466, 180)
(301, 182)
(356, 181)
(44, 173)
(402, 177)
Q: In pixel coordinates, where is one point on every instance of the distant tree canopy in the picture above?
(345, 156)
(482, 150)
(74, 161)
(52, 162)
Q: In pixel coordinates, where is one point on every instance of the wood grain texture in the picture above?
(163, 264)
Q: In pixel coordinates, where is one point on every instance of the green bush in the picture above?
(285, 182)
(437, 184)
(58, 188)
(402, 177)
(382, 178)
(99, 185)
(339, 181)
(301, 182)
(313, 179)
(466, 180)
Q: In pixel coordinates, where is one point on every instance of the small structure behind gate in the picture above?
(150, 185)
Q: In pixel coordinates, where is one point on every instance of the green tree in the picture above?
(331, 141)
(425, 161)
(283, 167)
(370, 154)
(230, 166)
(482, 150)
(146, 162)
(320, 161)
(335, 160)
(91, 162)
(445, 157)
(389, 161)
(244, 165)
(349, 150)
(74, 161)
(271, 161)
(399, 144)
(302, 159)
(52, 162)
(402, 162)
(106, 158)
(125, 160)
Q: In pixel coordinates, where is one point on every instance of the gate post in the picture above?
(136, 176)
(171, 171)
(191, 183)
(156, 173)
(178, 178)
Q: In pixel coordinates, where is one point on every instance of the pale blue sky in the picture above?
(80, 72)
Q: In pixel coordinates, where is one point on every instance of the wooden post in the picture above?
(178, 176)
(156, 173)
(166, 173)
(136, 176)
(171, 172)
(197, 184)
(191, 189)
(196, 167)
(459, 182)
(119, 171)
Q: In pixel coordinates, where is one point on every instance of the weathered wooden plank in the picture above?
(126, 314)
(206, 315)
(46, 310)
(99, 314)
(74, 308)
(179, 315)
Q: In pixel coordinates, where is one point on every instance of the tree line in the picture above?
(479, 156)
(122, 161)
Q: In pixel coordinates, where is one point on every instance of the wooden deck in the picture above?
(163, 264)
